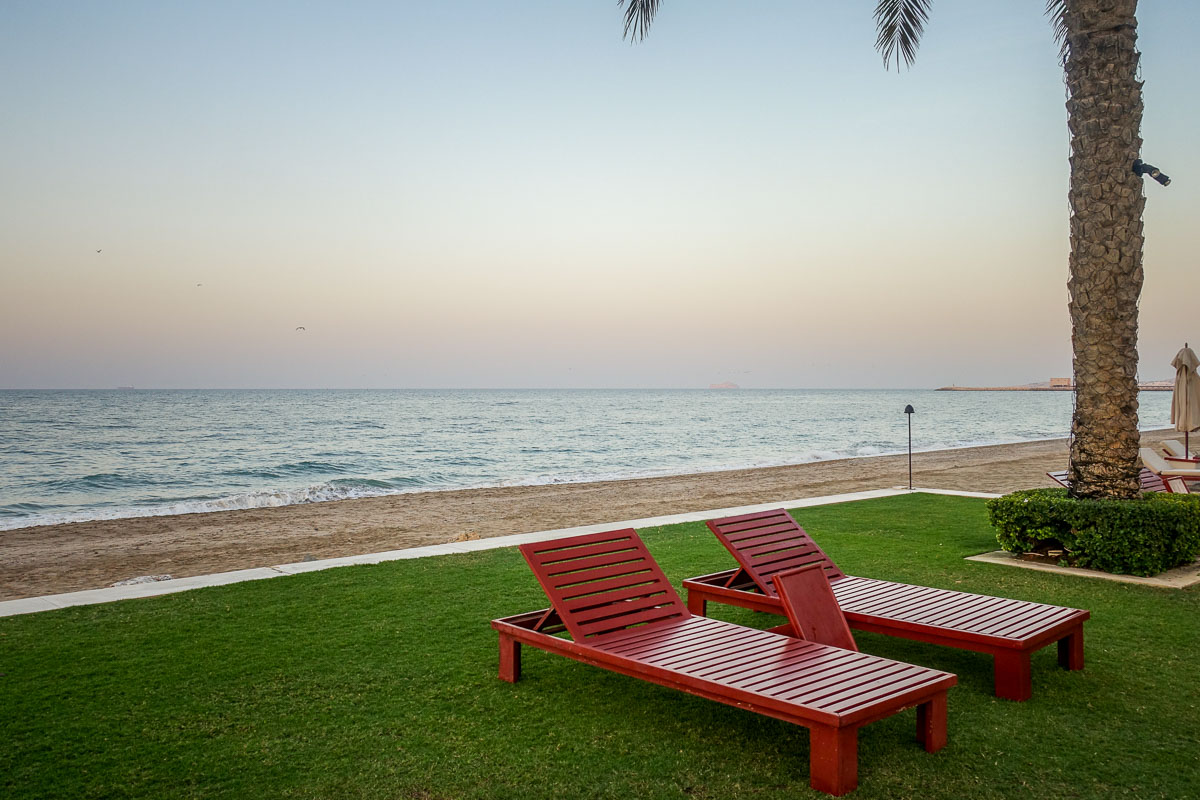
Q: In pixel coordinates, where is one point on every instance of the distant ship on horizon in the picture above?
(724, 385)
(125, 388)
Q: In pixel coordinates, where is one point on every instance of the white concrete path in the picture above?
(30, 605)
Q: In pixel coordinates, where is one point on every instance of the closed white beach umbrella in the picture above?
(1185, 402)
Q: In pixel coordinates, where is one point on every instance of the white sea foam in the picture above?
(310, 494)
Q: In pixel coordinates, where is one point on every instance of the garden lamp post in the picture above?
(908, 412)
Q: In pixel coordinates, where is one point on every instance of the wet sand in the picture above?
(50, 559)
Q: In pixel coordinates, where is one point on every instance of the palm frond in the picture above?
(900, 24)
(1056, 10)
(638, 16)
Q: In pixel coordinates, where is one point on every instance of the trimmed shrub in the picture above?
(1145, 536)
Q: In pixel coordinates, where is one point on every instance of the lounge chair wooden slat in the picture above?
(571, 572)
(1008, 630)
(751, 668)
(724, 653)
(581, 596)
(584, 585)
(553, 549)
(774, 543)
(958, 611)
(759, 676)
(769, 568)
(621, 622)
(633, 598)
(729, 640)
(1019, 628)
(639, 608)
(864, 693)
(553, 558)
(744, 667)
(752, 540)
(987, 621)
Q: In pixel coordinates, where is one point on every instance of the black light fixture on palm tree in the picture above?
(908, 412)
(1141, 168)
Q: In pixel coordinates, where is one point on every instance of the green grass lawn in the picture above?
(380, 682)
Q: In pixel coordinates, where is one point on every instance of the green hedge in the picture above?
(1145, 536)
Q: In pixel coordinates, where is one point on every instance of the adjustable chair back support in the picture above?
(811, 608)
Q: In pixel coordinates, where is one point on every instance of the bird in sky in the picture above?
(299, 327)
(97, 251)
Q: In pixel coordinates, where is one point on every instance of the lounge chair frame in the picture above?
(624, 616)
(1008, 630)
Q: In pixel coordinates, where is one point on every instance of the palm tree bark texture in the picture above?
(1104, 109)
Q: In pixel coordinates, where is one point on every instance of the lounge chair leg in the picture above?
(833, 759)
(931, 723)
(697, 604)
(510, 659)
(1070, 650)
(1013, 681)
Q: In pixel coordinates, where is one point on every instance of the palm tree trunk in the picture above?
(1105, 116)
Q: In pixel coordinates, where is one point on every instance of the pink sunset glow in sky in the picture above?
(481, 194)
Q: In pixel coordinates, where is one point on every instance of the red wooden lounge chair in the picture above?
(1009, 630)
(623, 615)
(1150, 481)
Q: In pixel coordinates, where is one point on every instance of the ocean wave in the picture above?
(21, 509)
(99, 480)
(289, 470)
(320, 493)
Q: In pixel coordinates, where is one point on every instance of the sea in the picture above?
(69, 456)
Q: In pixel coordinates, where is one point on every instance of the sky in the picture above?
(474, 193)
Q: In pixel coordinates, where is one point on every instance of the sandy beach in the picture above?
(51, 559)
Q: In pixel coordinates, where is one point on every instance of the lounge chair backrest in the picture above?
(770, 542)
(601, 583)
(812, 608)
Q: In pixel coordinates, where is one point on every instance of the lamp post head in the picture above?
(908, 410)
